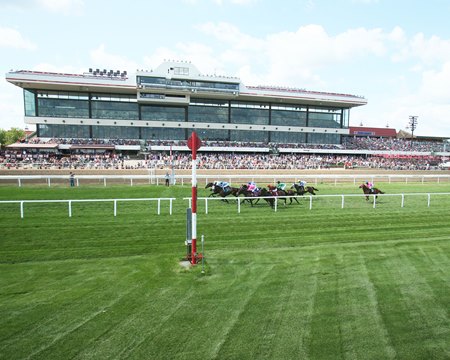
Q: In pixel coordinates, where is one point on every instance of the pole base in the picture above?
(194, 260)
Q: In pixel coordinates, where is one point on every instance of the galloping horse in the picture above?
(218, 190)
(282, 193)
(304, 189)
(256, 194)
(367, 191)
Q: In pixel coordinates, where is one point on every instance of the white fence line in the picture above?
(206, 199)
(342, 196)
(273, 178)
(69, 202)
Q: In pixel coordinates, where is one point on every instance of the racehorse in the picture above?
(256, 194)
(367, 191)
(218, 190)
(282, 193)
(301, 190)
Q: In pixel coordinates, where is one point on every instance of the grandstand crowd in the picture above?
(349, 143)
(14, 158)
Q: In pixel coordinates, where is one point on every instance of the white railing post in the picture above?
(170, 207)
(159, 206)
(276, 204)
(78, 182)
(239, 204)
(48, 182)
(70, 208)
(115, 207)
(206, 205)
(20, 182)
(104, 181)
(21, 209)
(131, 181)
(342, 204)
(403, 200)
(374, 201)
(429, 199)
(310, 202)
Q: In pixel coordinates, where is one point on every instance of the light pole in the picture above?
(412, 125)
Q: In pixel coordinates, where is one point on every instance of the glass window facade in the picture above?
(286, 137)
(163, 134)
(208, 111)
(163, 113)
(62, 104)
(324, 138)
(288, 116)
(115, 132)
(115, 110)
(160, 82)
(63, 131)
(29, 102)
(252, 136)
(249, 113)
(200, 110)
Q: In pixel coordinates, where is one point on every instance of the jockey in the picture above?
(302, 184)
(369, 186)
(223, 184)
(280, 185)
(273, 189)
(251, 186)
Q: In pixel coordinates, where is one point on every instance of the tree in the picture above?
(11, 136)
(2, 137)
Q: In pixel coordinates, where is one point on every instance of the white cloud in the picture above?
(435, 85)
(298, 56)
(67, 7)
(11, 106)
(102, 59)
(12, 38)
(67, 69)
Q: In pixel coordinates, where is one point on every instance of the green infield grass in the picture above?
(323, 283)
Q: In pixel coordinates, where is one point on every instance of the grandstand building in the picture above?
(176, 99)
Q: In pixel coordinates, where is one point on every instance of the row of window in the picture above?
(208, 111)
(186, 84)
(125, 132)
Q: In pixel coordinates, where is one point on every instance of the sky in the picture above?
(395, 53)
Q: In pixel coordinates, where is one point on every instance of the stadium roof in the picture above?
(109, 81)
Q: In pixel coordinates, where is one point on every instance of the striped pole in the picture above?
(194, 144)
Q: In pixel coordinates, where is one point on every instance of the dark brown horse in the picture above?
(281, 194)
(367, 191)
(263, 192)
(217, 190)
(301, 190)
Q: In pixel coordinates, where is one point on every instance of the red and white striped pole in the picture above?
(194, 144)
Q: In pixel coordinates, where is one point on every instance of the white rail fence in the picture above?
(21, 180)
(238, 200)
(311, 197)
(69, 203)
